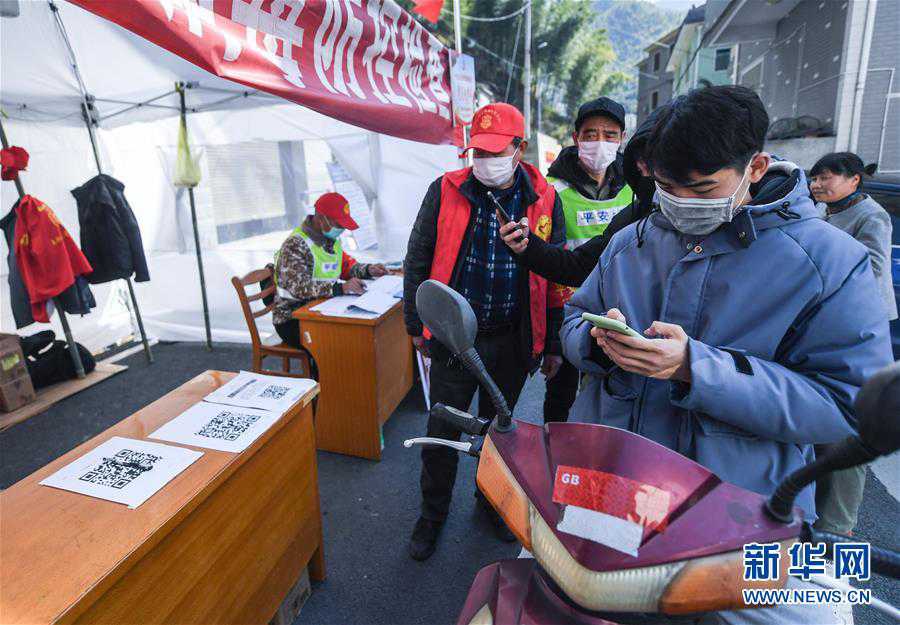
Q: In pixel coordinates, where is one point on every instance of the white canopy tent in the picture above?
(264, 162)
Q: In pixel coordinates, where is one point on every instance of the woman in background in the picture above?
(836, 180)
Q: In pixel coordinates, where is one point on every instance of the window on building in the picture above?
(723, 59)
(654, 100)
(656, 62)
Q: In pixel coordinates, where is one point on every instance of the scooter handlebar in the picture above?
(462, 421)
(884, 561)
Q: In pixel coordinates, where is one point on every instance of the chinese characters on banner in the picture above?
(364, 62)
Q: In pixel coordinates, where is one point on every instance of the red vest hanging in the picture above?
(47, 256)
(453, 220)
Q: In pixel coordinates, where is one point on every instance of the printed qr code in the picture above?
(228, 426)
(120, 470)
(274, 392)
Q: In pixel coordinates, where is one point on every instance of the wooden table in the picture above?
(223, 542)
(365, 370)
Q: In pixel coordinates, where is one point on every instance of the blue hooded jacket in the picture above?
(785, 325)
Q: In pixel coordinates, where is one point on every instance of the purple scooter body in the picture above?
(708, 524)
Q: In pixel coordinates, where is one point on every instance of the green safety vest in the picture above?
(326, 266)
(586, 218)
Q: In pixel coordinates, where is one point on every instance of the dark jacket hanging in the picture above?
(110, 237)
(75, 300)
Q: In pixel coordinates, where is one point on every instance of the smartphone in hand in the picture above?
(502, 216)
(607, 323)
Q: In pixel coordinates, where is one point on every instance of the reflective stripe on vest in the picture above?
(326, 266)
(586, 218)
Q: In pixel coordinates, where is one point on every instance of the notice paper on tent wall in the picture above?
(359, 206)
(123, 470)
(214, 426)
(266, 392)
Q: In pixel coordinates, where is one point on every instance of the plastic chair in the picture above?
(262, 350)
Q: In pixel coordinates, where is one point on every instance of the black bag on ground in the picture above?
(49, 360)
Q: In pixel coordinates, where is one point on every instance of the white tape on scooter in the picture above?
(601, 528)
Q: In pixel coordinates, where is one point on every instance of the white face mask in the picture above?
(596, 156)
(494, 171)
(700, 216)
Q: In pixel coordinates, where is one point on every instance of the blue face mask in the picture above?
(333, 233)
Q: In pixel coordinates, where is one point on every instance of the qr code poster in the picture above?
(265, 392)
(215, 426)
(123, 470)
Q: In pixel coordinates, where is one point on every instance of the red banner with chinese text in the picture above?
(364, 62)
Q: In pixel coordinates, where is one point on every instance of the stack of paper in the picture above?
(390, 284)
(340, 307)
(381, 294)
(374, 302)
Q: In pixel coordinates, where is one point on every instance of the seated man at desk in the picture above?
(311, 264)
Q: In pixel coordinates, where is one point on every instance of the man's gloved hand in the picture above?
(550, 365)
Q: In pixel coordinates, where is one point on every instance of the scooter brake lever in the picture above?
(465, 448)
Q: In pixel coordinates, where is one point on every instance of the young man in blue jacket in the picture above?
(756, 345)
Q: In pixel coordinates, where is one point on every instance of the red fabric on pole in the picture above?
(429, 9)
(369, 63)
(48, 258)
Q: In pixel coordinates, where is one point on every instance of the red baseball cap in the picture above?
(336, 207)
(13, 160)
(495, 125)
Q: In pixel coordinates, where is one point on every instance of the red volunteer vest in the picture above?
(453, 220)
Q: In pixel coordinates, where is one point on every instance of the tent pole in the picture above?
(73, 349)
(181, 89)
(457, 40)
(526, 103)
(86, 107)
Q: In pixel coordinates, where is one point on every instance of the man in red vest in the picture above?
(456, 240)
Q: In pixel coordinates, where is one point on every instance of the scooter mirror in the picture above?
(448, 315)
(878, 410)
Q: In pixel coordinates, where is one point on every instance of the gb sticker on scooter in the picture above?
(609, 509)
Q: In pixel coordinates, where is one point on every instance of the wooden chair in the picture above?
(276, 348)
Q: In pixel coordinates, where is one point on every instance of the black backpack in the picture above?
(49, 360)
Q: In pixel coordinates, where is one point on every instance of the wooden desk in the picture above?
(221, 543)
(365, 370)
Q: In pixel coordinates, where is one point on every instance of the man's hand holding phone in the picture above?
(515, 234)
(664, 358)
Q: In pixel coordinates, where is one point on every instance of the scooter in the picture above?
(619, 526)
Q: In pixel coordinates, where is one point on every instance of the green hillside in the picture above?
(631, 26)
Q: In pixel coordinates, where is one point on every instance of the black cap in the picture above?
(601, 106)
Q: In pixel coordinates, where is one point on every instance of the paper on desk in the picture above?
(374, 302)
(266, 392)
(225, 428)
(392, 285)
(123, 470)
(335, 305)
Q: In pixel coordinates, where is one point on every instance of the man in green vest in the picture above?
(311, 264)
(590, 180)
